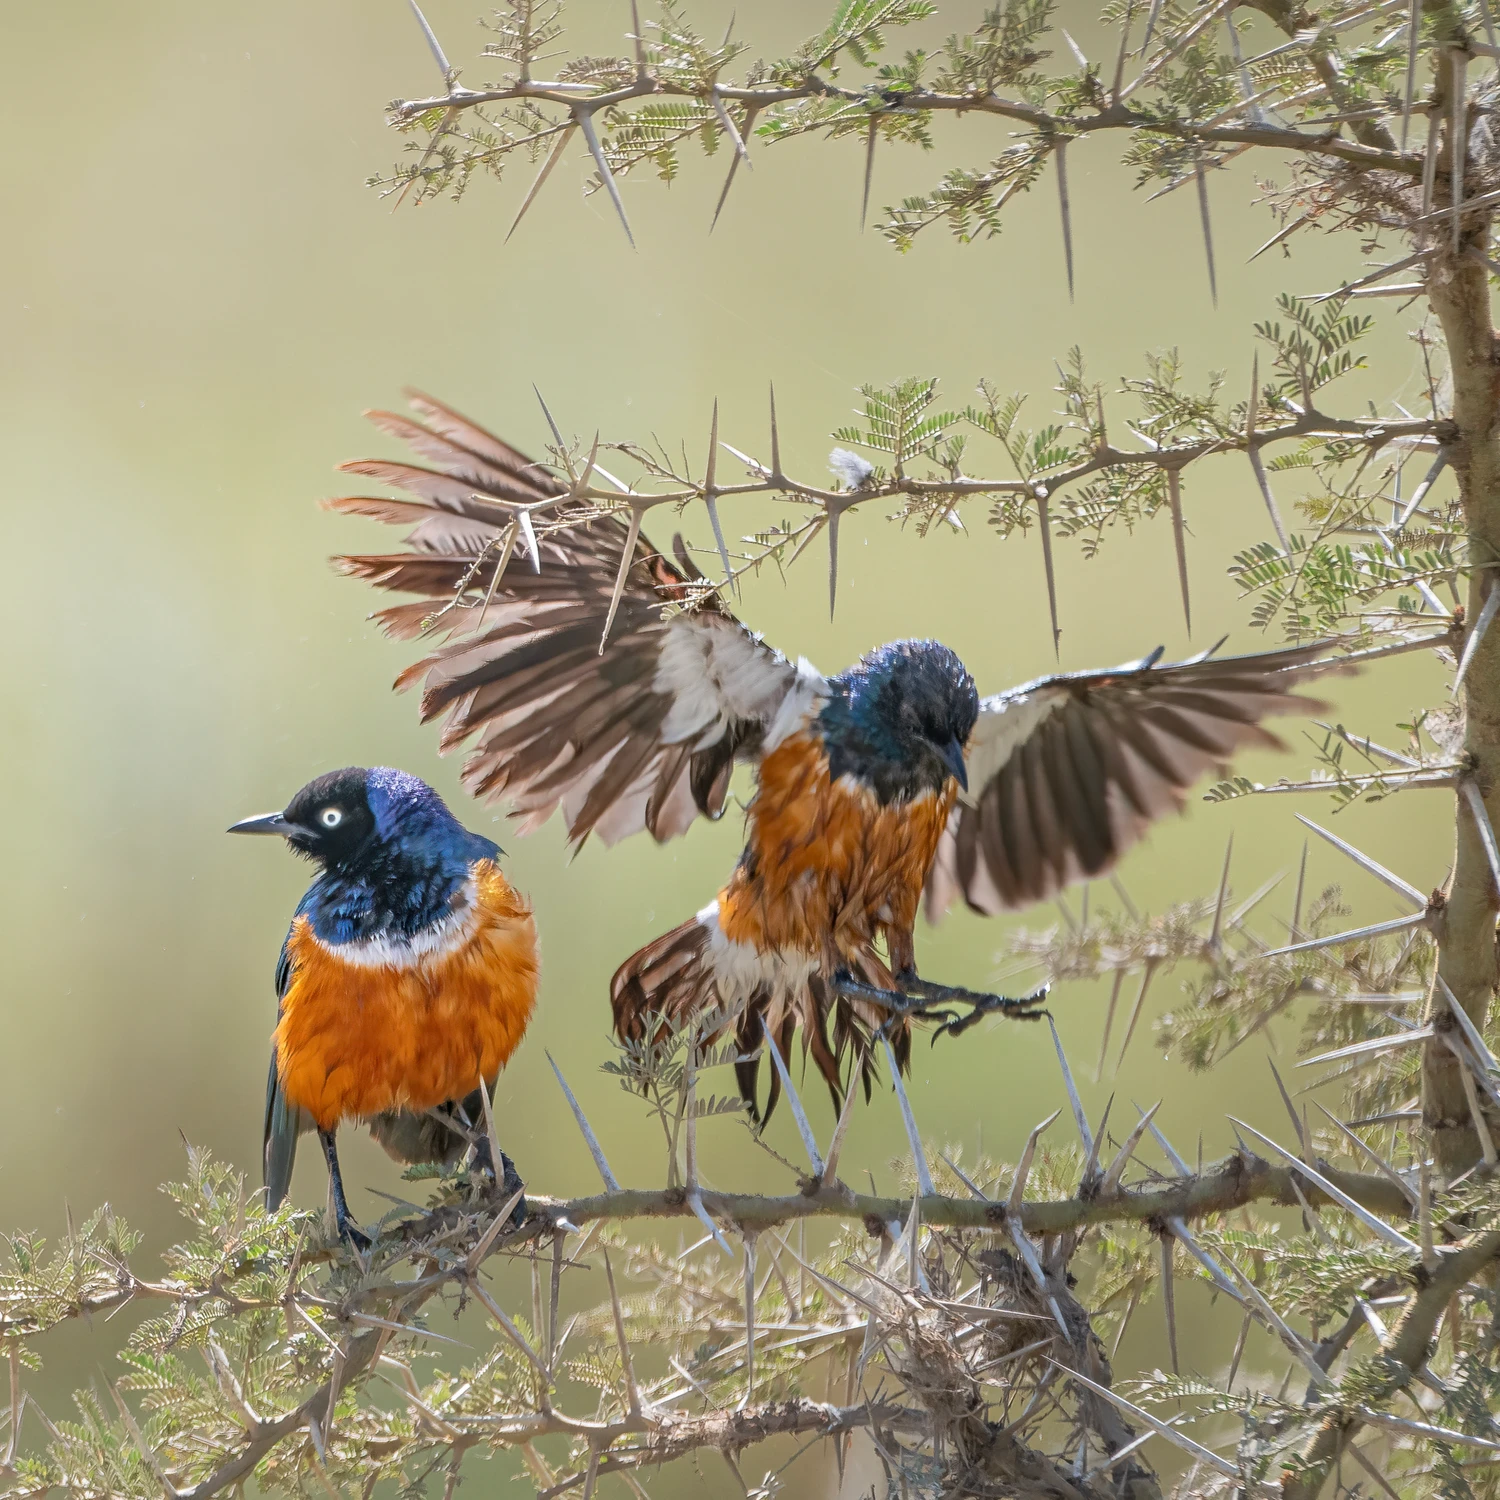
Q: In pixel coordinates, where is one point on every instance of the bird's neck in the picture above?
(860, 745)
(389, 891)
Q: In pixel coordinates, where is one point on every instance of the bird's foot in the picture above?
(507, 1180)
(353, 1235)
(920, 999)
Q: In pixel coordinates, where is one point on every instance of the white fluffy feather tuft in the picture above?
(851, 471)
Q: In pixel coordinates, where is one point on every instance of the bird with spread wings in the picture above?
(875, 787)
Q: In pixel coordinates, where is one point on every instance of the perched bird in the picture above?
(873, 785)
(408, 976)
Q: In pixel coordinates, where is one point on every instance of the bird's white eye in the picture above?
(330, 817)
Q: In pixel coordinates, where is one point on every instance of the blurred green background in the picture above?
(198, 295)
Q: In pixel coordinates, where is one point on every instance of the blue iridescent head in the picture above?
(354, 817)
(393, 857)
(899, 719)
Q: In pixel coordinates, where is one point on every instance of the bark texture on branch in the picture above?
(1459, 291)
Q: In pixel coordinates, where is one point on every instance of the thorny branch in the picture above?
(1382, 113)
(960, 1334)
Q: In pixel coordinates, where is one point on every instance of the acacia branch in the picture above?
(1117, 116)
(1405, 1350)
(360, 1352)
(1232, 1183)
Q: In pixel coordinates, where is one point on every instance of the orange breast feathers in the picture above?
(375, 1026)
(827, 868)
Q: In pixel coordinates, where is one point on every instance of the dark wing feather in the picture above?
(1067, 772)
(284, 1122)
(642, 735)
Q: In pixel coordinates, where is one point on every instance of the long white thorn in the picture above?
(507, 546)
(1017, 1198)
(444, 66)
(1109, 1021)
(695, 1202)
(1091, 1161)
(627, 559)
(1466, 1067)
(1182, 1168)
(809, 1140)
(836, 1143)
(1413, 33)
(1208, 233)
(870, 138)
(553, 157)
(1117, 1167)
(1169, 1296)
(1079, 1117)
(1179, 542)
(1291, 1109)
(1381, 1163)
(1252, 410)
(1467, 1026)
(1378, 1226)
(586, 124)
(1254, 1297)
(633, 1391)
(1379, 871)
(750, 1314)
(1219, 1276)
(1044, 525)
(1376, 929)
(726, 121)
(1119, 78)
(533, 547)
(1369, 1047)
(1022, 1242)
(1216, 932)
(1067, 217)
(710, 495)
(919, 1157)
(557, 436)
(1264, 485)
(1482, 826)
(1475, 635)
(964, 1178)
(835, 512)
(1419, 494)
(1147, 974)
(595, 1150)
(1162, 1429)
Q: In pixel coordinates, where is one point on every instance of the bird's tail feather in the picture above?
(284, 1123)
(673, 978)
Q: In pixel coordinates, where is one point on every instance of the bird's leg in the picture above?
(348, 1229)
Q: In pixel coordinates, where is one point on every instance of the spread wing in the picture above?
(644, 735)
(1066, 773)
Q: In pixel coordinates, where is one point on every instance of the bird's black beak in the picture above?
(267, 823)
(952, 756)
